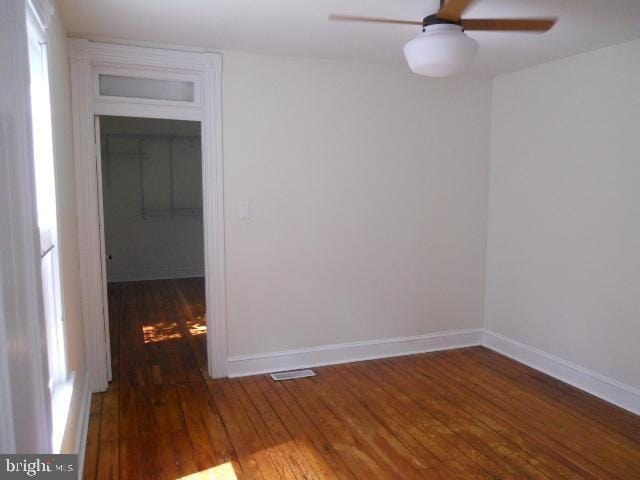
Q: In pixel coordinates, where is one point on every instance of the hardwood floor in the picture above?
(467, 413)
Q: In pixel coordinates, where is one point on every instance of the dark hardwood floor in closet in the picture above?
(467, 413)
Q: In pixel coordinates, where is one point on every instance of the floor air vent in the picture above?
(293, 374)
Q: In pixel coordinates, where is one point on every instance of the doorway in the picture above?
(140, 82)
(151, 188)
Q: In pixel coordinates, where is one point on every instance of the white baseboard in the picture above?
(599, 385)
(83, 425)
(159, 274)
(241, 365)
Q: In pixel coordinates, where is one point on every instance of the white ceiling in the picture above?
(301, 28)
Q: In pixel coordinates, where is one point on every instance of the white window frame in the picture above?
(25, 417)
(60, 382)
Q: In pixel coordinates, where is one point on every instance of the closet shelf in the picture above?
(141, 155)
(193, 212)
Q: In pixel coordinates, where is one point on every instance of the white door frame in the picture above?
(88, 60)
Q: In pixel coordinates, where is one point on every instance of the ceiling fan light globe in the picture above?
(441, 51)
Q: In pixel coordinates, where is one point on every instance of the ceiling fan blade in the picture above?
(452, 10)
(509, 24)
(353, 18)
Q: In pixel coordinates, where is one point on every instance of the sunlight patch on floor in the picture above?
(220, 472)
(197, 326)
(160, 332)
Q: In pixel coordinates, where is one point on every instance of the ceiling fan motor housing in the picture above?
(435, 20)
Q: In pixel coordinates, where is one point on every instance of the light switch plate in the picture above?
(244, 210)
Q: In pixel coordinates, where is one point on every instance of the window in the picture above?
(59, 384)
(150, 88)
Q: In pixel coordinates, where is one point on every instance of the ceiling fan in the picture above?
(443, 49)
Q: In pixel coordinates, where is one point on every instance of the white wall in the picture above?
(563, 269)
(368, 191)
(156, 246)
